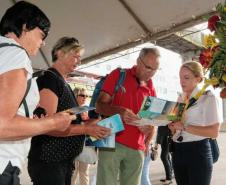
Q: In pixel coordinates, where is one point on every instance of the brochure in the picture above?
(116, 125)
(80, 109)
(107, 143)
(159, 112)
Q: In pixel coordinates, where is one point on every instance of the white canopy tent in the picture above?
(107, 26)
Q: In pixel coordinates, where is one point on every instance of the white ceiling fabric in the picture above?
(108, 26)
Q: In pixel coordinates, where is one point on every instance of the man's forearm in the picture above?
(108, 110)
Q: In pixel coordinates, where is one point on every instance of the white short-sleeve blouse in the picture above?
(12, 58)
(203, 113)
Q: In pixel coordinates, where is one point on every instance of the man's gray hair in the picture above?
(146, 51)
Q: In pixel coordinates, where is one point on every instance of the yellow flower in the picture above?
(207, 82)
(212, 81)
(209, 41)
(213, 56)
(224, 77)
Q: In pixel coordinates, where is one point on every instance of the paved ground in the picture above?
(219, 174)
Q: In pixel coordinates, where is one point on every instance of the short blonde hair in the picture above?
(66, 44)
(78, 91)
(195, 67)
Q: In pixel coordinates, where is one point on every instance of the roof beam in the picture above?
(151, 37)
(135, 17)
(44, 57)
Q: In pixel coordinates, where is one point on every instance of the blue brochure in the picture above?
(115, 124)
(107, 143)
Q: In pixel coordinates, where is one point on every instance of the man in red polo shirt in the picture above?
(127, 160)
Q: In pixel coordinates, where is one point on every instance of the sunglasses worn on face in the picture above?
(83, 95)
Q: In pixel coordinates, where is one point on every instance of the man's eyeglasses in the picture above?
(83, 95)
(148, 67)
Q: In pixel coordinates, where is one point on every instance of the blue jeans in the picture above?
(145, 180)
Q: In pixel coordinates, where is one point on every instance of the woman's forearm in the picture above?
(21, 127)
(205, 131)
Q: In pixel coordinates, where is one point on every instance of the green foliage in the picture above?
(218, 64)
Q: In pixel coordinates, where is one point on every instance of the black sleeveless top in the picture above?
(55, 149)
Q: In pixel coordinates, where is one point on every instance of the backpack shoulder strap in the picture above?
(122, 77)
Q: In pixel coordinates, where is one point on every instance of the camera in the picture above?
(39, 112)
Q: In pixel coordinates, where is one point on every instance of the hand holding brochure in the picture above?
(159, 112)
(116, 125)
(105, 143)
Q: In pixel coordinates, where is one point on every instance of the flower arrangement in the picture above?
(213, 57)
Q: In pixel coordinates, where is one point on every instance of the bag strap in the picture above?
(122, 77)
(54, 74)
(28, 82)
(24, 102)
(10, 45)
(42, 72)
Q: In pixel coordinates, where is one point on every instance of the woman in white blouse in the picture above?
(192, 155)
(23, 29)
